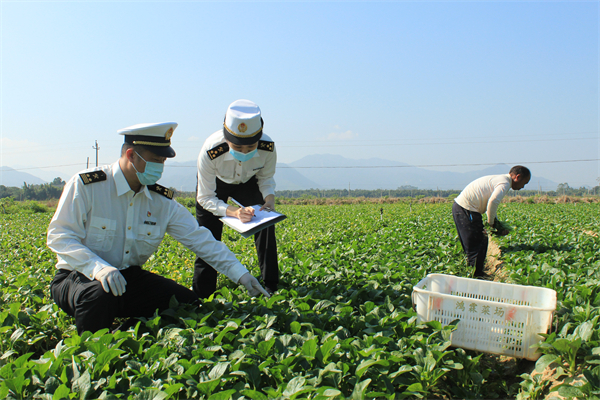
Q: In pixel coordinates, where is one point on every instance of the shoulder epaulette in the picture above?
(168, 193)
(218, 151)
(266, 145)
(93, 177)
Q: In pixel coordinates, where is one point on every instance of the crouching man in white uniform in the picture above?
(110, 220)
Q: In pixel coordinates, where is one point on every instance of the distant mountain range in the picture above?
(327, 171)
(10, 177)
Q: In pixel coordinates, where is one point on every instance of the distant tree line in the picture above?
(53, 190)
(564, 189)
(404, 191)
(45, 191)
(411, 191)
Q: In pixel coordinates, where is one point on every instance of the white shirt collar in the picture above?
(146, 192)
(120, 181)
(122, 184)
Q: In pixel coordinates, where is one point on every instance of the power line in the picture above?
(49, 166)
(371, 144)
(350, 167)
(420, 166)
(79, 143)
(503, 136)
(454, 165)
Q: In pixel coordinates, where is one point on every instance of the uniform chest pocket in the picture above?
(227, 170)
(148, 239)
(101, 233)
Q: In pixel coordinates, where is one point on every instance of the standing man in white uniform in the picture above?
(483, 195)
(110, 220)
(237, 161)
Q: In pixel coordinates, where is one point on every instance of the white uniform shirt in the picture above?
(105, 223)
(485, 194)
(232, 171)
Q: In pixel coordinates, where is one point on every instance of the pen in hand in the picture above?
(241, 206)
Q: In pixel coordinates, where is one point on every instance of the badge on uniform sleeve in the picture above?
(93, 177)
(168, 193)
(266, 145)
(218, 151)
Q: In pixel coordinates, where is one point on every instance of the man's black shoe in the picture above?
(483, 276)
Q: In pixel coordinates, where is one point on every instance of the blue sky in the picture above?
(424, 83)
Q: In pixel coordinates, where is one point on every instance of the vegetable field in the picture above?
(341, 325)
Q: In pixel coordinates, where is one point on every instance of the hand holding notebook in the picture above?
(261, 220)
(245, 214)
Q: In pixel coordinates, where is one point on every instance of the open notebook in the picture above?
(260, 221)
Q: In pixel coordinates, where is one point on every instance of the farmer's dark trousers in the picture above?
(473, 238)
(94, 309)
(248, 194)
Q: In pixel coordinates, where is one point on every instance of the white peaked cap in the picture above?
(243, 123)
(155, 136)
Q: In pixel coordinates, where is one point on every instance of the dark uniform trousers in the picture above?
(248, 194)
(94, 309)
(472, 235)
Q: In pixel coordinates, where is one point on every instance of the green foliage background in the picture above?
(341, 325)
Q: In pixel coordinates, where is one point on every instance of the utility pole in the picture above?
(87, 164)
(348, 189)
(96, 147)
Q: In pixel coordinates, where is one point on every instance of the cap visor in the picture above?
(161, 151)
(241, 141)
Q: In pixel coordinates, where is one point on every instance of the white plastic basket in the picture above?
(495, 317)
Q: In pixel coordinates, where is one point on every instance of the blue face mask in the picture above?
(241, 156)
(152, 172)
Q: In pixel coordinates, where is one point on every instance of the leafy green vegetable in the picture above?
(341, 326)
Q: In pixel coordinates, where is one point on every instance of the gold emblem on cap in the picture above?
(169, 133)
(242, 136)
(242, 127)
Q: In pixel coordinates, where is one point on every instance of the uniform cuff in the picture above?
(97, 267)
(266, 193)
(222, 209)
(237, 273)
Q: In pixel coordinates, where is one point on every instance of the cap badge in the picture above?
(169, 133)
(242, 127)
